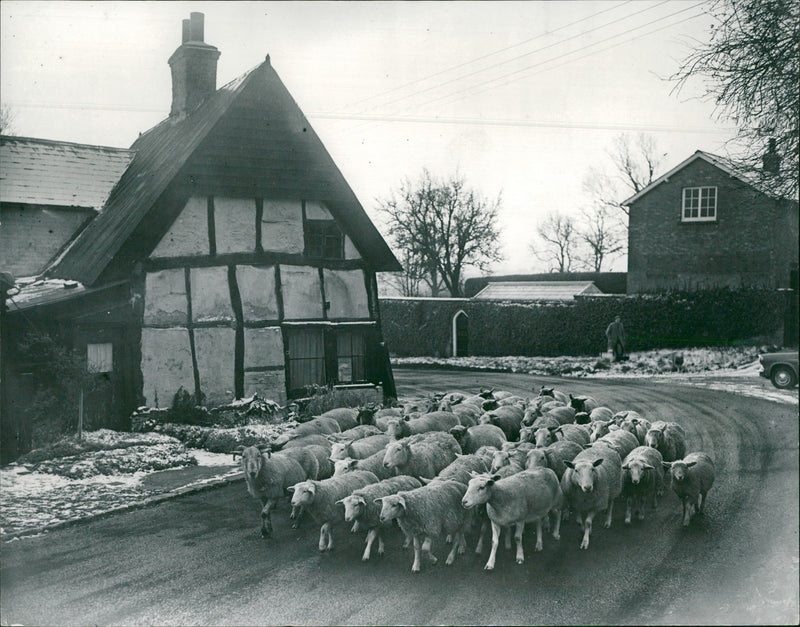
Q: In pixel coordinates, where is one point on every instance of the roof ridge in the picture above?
(58, 142)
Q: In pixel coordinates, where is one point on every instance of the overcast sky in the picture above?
(521, 98)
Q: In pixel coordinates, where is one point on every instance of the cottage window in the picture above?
(319, 356)
(699, 204)
(306, 358)
(350, 354)
(324, 239)
(100, 357)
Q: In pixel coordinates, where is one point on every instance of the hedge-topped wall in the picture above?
(418, 327)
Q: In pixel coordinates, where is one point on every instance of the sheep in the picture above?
(591, 482)
(597, 429)
(361, 508)
(307, 440)
(418, 406)
(373, 464)
(692, 478)
(454, 397)
(553, 456)
(507, 417)
(669, 438)
(347, 417)
(356, 433)
(472, 438)
(486, 453)
(582, 418)
(622, 442)
(626, 414)
(556, 394)
(316, 464)
(575, 433)
(601, 413)
(429, 512)
(468, 415)
(459, 469)
(359, 449)
(565, 415)
(546, 421)
(379, 417)
(528, 496)
(637, 426)
(315, 426)
(583, 403)
(642, 480)
(267, 478)
(322, 500)
(423, 457)
(432, 421)
(519, 401)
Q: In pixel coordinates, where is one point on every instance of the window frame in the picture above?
(324, 239)
(97, 363)
(698, 207)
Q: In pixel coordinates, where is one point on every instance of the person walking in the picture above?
(615, 334)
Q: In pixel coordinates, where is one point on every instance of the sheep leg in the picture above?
(610, 513)
(266, 519)
(381, 545)
(297, 512)
(479, 546)
(495, 544)
(640, 508)
(426, 548)
(452, 555)
(508, 538)
(539, 544)
(370, 539)
(628, 510)
(520, 527)
(557, 527)
(322, 542)
(415, 567)
(687, 511)
(701, 502)
(587, 529)
(329, 533)
(462, 543)
(355, 527)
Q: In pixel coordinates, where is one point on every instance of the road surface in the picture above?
(199, 560)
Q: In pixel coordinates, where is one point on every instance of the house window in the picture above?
(100, 357)
(350, 354)
(306, 358)
(324, 239)
(699, 204)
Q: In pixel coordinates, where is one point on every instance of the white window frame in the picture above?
(696, 204)
(100, 357)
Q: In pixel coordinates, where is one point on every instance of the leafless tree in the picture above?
(556, 242)
(409, 281)
(445, 227)
(751, 70)
(599, 231)
(7, 116)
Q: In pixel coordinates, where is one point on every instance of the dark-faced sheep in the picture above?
(363, 509)
(592, 481)
(583, 403)
(423, 457)
(642, 480)
(322, 500)
(528, 496)
(472, 438)
(430, 512)
(669, 438)
(692, 478)
(372, 415)
(555, 394)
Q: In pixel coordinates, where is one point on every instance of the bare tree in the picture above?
(557, 242)
(600, 232)
(409, 281)
(445, 227)
(7, 116)
(751, 67)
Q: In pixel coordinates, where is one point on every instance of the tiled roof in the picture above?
(44, 172)
(536, 290)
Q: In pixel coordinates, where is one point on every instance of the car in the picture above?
(781, 368)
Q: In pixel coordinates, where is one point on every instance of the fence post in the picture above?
(80, 415)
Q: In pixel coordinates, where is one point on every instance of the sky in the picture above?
(521, 99)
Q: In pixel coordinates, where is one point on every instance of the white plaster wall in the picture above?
(211, 298)
(257, 289)
(350, 250)
(235, 224)
(347, 293)
(316, 210)
(188, 235)
(263, 347)
(214, 349)
(166, 365)
(302, 294)
(282, 226)
(165, 298)
(270, 384)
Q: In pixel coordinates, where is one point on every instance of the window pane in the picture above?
(100, 357)
(350, 352)
(324, 239)
(306, 358)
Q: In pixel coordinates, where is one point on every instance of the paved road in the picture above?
(199, 559)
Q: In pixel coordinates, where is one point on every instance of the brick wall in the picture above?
(746, 245)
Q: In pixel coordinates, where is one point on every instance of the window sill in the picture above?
(693, 222)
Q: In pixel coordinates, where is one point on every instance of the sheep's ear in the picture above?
(626, 466)
(585, 446)
(647, 467)
(553, 430)
(407, 418)
(378, 500)
(472, 473)
(290, 489)
(690, 464)
(338, 502)
(569, 464)
(667, 465)
(597, 462)
(493, 479)
(425, 480)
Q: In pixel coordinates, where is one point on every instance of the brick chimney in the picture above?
(771, 159)
(194, 68)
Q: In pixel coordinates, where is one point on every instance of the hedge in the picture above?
(670, 320)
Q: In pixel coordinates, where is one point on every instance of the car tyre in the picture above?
(783, 377)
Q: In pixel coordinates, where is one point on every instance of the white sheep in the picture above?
(592, 481)
(507, 417)
(555, 394)
(597, 429)
(511, 457)
(528, 496)
(268, 478)
(467, 413)
(622, 442)
(553, 456)
(347, 417)
(576, 433)
(322, 500)
(642, 480)
(356, 433)
(422, 456)
(472, 438)
(669, 438)
(634, 424)
(430, 512)
(601, 413)
(362, 509)
(432, 421)
(359, 449)
(308, 440)
(316, 426)
(373, 464)
(692, 478)
(459, 469)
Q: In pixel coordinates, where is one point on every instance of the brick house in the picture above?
(229, 256)
(705, 224)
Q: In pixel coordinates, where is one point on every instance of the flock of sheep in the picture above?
(444, 465)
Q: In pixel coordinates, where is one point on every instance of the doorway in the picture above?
(460, 334)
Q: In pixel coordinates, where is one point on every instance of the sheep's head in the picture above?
(526, 434)
(637, 470)
(354, 506)
(252, 459)
(392, 506)
(340, 450)
(479, 489)
(500, 459)
(303, 493)
(544, 437)
(458, 432)
(577, 402)
(536, 458)
(654, 438)
(679, 469)
(366, 414)
(397, 454)
(543, 391)
(582, 418)
(397, 429)
(341, 466)
(584, 473)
